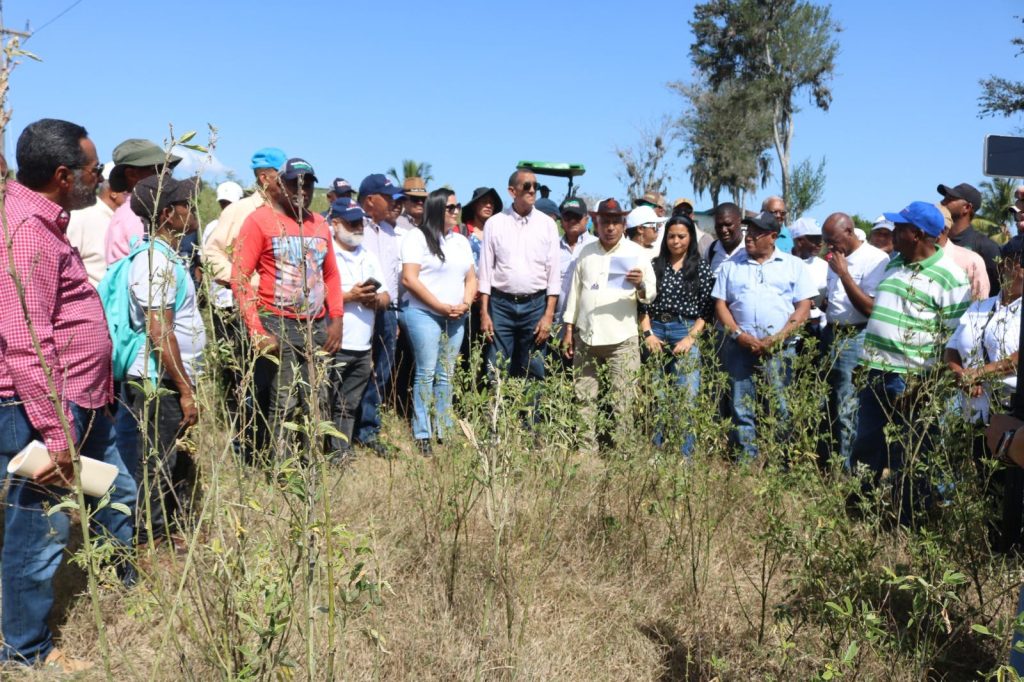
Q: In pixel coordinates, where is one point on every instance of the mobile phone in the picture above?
(372, 282)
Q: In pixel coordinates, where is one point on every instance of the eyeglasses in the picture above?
(97, 170)
(649, 226)
(453, 208)
(756, 234)
(781, 213)
(416, 200)
(529, 186)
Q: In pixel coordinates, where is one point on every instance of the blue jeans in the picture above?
(742, 368)
(1016, 657)
(670, 334)
(878, 404)
(435, 342)
(513, 335)
(843, 357)
(34, 542)
(126, 429)
(385, 334)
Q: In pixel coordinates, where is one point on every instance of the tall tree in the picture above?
(778, 48)
(643, 165)
(412, 169)
(1001, 96)
(727, 138)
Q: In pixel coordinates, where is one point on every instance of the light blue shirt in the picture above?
(762, 296)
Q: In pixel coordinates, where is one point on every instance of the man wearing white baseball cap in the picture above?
(806, 233)
(642, 227)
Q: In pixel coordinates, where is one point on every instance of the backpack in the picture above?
(116, 297)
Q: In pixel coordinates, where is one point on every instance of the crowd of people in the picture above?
(107, 274)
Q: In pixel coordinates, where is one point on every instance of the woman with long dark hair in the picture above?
(439, 281)
(672, 322)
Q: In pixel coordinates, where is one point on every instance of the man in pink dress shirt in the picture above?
(519, 280)
(56, 379)
(133, 160)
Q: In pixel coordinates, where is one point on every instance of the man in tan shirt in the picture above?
(611, 276)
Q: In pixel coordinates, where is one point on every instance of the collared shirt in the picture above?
(566, 264)
(867, 269)
(87, 232)
(916, 307)
(602, 314)
(66, 314)
(384, 243)
(818, 270)
(219, 242)
(520, 254)
(983, 246)
(357, 266)
(717, 254)
(762, 296)
(988, 332)
(403, 225)
(974, 266)
(124, 227)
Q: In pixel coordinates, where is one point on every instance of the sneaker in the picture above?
(423, 447)
(58, 660)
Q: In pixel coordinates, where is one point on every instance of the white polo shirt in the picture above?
(355, 267)
(867, 268)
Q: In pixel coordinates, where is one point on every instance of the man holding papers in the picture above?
(612, 275)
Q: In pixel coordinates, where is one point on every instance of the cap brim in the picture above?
(296, 176)
(576, 211)
(948, 192)
(896, 218)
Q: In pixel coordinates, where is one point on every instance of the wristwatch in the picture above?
(648, 333)
(735, 334)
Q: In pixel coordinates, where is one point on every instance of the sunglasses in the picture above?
(453, 208)
(97, 170)
(529, 186)
(416, 200)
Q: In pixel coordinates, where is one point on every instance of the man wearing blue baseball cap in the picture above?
(377, 199)
(916, 308)
(226, 323)
(362, 277)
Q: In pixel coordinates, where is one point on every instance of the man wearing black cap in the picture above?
(376, 198)
(762, 298)
(963, 202)
(574, 237)
(163, 296)
(291, 250)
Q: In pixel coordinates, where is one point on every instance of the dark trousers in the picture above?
(514, 324)
(349, 377)
(164, 474)
(301, 377)
(385, 333)
(247, 400)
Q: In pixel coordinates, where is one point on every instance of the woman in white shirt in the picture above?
(439, 282)
(982, 352)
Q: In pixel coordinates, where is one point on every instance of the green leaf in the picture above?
(196, 148)
(982, 630)
(66, 504)
(187, 137)
(851, 653)
(123, 508)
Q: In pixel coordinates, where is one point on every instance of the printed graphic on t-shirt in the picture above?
(299, 283)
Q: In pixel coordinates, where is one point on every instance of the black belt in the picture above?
(518, 298)
(669, 317)
(392, 306)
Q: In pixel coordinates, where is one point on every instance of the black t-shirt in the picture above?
(984, 247)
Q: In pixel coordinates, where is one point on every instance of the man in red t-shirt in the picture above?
(298, 305)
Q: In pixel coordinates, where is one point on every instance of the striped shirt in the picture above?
(916, 308)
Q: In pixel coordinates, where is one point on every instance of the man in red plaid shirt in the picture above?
(55, 369)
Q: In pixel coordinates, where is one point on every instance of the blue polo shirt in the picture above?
(762, 296)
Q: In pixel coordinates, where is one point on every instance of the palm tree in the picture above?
(996, 200)
(412, 169)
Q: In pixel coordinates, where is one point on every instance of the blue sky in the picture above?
(474, 87)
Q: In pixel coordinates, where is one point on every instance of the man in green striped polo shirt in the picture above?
(917, 307)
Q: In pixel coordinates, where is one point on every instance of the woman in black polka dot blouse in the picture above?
(672, 322)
